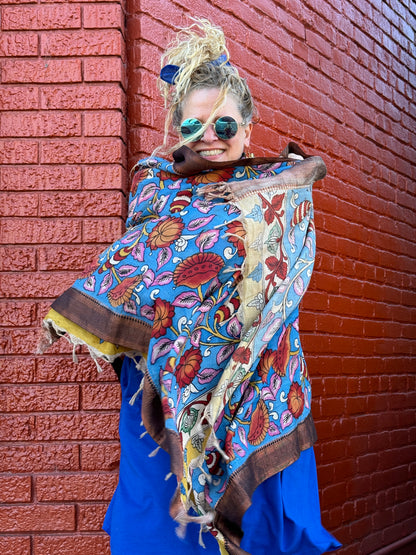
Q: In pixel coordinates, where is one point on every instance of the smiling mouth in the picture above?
(215, 152)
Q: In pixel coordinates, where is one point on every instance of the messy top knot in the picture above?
(196, 51)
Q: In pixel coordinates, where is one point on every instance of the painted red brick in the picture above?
(341, 83)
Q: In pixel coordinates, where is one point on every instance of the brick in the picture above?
(41, 17)
(17, 313)
(18, 341)
(19, 205)
(18, 44)
(35, 286)
(18, 98)
(39, 457)
(83, 204)
(37, 518)
(18, 152)
(32, 231)
(100, 456)
(82, 151)
(67, 257)
(17, 259)
(107, 230)
(105, 177)
(16, 370)
(83, 97)
(101, 396)
(101, 124)
(104, 69)
(40, 178)
(36, 398)
(91, 516)
(102, 17)
(76, 487)
(15, 545)
(15, 489)
(41, 71)
(74, 544)
(51, 427)
(53, 369)
(82, 43)
(40, 124)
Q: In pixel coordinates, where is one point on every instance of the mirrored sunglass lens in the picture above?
(226, 127)
(190, 126)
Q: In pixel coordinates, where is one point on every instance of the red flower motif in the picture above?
(259, 424)
(138, 178)
(296, 400)
(165, 233)
(266, 363)
(214, 176)
(188, 367)
(228, 446)
(164, 313)
(283, 352)
(123, 291)
(242, 354)
(197, 269)
(236, 235)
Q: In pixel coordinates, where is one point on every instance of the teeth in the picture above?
(210, 152)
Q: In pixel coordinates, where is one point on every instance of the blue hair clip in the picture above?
(170, 72)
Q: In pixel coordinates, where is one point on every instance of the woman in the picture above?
(201, 297)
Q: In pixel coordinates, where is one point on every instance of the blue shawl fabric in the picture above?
(203, 291)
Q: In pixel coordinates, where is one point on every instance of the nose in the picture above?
(209, 136)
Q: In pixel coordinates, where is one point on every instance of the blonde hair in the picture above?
(193, 51)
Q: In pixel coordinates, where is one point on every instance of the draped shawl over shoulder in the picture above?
(203, 290)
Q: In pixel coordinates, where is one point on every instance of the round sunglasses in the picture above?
(225, 128)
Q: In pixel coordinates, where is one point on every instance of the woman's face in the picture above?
(198, 104)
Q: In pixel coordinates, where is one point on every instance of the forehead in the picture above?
(199, 104)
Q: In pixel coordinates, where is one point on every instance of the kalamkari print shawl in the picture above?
(203, 291)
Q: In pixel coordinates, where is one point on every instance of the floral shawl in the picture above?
(203, 291)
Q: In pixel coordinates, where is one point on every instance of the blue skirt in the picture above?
(284, 517)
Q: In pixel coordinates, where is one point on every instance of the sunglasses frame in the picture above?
(198, 134)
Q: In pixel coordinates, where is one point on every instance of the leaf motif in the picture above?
(147, 312)
(207, 239)
(286, 419)
(163, 279)
(224, 353)
(147, 191)
(199, 222)
(196, 337)
(106, 283)
(125, 270)
(138, 252)
(242, 435)
(148, 277)
(239, 450)
(234, 327)
(160, 204)
(257, 273)
(89, 283)
(273, 429)
(188, 299)
(208, 374)
(165, 254)
(298, 286)
(130, 307)
(161, 348)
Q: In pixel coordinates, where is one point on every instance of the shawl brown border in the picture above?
(98, 320)
(261, 465)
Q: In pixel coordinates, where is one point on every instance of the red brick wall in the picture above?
(338, 78)
(63, 181)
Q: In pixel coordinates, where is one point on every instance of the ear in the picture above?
(247, 132)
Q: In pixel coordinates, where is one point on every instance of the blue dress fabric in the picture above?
(284, 517)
